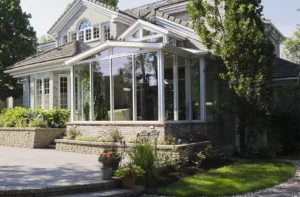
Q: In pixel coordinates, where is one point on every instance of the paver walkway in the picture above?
(23, 167)
(290, 188)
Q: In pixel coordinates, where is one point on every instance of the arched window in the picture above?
(85, 24)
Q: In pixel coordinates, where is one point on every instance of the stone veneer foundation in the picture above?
(129, 130)
(29, 137)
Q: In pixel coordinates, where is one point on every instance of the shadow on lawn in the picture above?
(235, 179)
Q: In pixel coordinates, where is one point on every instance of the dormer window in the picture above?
(86, 32)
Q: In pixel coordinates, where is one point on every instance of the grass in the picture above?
(239, 178)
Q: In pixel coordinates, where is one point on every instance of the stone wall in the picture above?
(129, 130)
(28, 137)
(95, 148)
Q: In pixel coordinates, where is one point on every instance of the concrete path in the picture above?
(23, 167)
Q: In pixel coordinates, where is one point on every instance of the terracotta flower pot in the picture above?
(106, 173)
(128, 182)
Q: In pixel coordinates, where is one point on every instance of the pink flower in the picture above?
(136, 171)
(127, 169)
(107, 155)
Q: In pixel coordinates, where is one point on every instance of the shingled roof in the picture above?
(64, 51)
(284, 69)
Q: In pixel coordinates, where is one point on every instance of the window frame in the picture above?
(68, 92)
(43, 93)
(103, 34)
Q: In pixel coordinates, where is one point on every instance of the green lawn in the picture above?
(241, 177)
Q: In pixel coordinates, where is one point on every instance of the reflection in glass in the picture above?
(101, 91)
(169, 86)
(83, 91)
(120, 50)
(148, 33)
(122, 77)
(182, 111)
(146, 86)
(195, 82)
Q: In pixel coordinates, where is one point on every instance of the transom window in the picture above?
(146, 35)
(85, 24)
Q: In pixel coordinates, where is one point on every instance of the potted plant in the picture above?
(105, 159)
(128, 175)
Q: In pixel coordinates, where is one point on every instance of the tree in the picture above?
(234, 31)
(291, 47)
(113, 3)
(45, 39)
(17, 41)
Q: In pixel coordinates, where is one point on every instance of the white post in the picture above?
(202, 89)
(175, 87)
(161, 89)
(111, 88)
(91, 92)
(134, 90)
(72, 93)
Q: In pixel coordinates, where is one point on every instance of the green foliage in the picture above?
(144, 155)
(113, 3)
(239, 178)
(45, 39)
(21, 117)
(115, 135)
(291, 49)
(38, 123)
(17, 40)
(130, 170)
(234, 31)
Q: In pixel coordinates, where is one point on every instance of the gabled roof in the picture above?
(64, 51)
(285, 69)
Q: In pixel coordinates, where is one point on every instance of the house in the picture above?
(134, 70)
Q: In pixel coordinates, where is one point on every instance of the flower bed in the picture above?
(28, 137)
(95, 148)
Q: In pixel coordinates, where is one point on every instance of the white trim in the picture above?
(173, 9)
(91, 92)
(134, 90)
(161, 89)
(287, 78)
(72, 93)
(140, 24)
(112, 44)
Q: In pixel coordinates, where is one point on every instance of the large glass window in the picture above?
(182, 109)
(101, 91)
(63, 94)
(169, 86)
(39, 93)
(82, 73)
(146, 86)
(145, 35)
(122, 80)
(195, 83)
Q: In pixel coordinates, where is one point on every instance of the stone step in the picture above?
(137, 191)
(56, 189)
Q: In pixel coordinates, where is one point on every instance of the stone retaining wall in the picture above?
(28, 137)
(95, 148)
(129, 130)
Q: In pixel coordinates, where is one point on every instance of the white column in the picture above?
(175, 87)
(111, 88)
(72, 93)
(161, 91)
(134, 90)
(202, 89)
(91, 92)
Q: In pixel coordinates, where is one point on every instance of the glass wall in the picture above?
(169, 86)
(101, 90)
(82, 73)
(146, 74)
(182, 105)
(122, 80)
(195, 83)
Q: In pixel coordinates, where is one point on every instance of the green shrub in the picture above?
(38, 123)
(143, 155)
(21, 117)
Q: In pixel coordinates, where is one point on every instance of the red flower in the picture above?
(107, 155)
(127, 169)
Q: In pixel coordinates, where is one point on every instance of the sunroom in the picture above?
(147, 80)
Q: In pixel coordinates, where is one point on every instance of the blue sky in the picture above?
(44, 12)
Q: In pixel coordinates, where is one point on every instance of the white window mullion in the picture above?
(84, 35)
(161, 91)
(91, 93)
(72, 94)
(202, 89)
(175, 86)
(134, 92)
